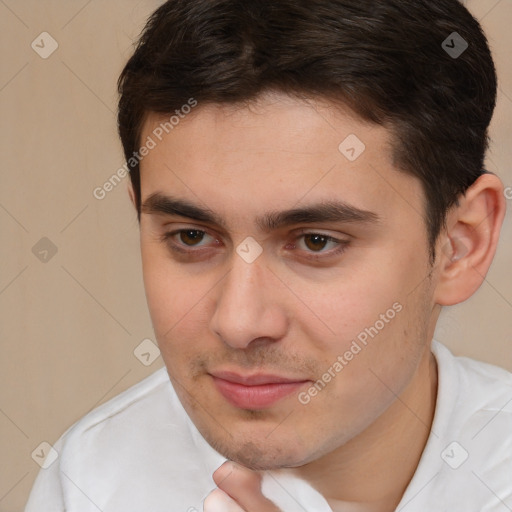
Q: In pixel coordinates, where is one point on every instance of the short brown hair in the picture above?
(384, 60)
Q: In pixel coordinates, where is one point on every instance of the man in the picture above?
(309, 185)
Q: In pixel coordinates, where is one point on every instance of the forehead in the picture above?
(271, 121)
(277, 150)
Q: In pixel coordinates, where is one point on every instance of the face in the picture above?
(274, 315)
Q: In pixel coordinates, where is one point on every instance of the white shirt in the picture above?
(140, 452)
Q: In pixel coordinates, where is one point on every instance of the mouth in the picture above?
(255, 392)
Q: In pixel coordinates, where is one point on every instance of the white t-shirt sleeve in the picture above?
(47, 494)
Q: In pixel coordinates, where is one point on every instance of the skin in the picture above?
(299, 306)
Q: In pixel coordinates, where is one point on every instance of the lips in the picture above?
(255, 392)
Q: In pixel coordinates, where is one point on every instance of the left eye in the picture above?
(190, 236)
(316, 241)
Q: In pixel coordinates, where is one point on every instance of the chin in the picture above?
(261, 454)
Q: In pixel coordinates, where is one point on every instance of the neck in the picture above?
(372, 471)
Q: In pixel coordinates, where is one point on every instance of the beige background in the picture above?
(70, 325)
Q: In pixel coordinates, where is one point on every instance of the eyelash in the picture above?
(342, 244)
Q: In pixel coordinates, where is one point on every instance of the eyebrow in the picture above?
(324, 211)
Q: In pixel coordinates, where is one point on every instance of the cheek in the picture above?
(178, 300)
(370, 317)
(337, 312)
(361, 379)
(168, 296)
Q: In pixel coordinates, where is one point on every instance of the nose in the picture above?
(248, 306)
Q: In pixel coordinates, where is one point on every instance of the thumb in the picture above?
(219, 501)
(244, 486)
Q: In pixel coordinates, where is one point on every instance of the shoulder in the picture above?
(154, 388)
(54, 485)
(119, 419)
(469, 449)
(138, 451)
(478, 385)
(124, 416)
(474, 401)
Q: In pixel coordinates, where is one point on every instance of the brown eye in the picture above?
(316, 242)
(320, 245)
(181, 239)
(191, 236)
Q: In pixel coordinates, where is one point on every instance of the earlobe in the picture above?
(467, 247)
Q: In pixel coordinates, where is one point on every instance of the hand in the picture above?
(238, 490)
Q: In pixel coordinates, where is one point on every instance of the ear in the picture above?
(467, 247)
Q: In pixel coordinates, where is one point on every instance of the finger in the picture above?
(230, 475)
(244, 486)
(219, 501)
